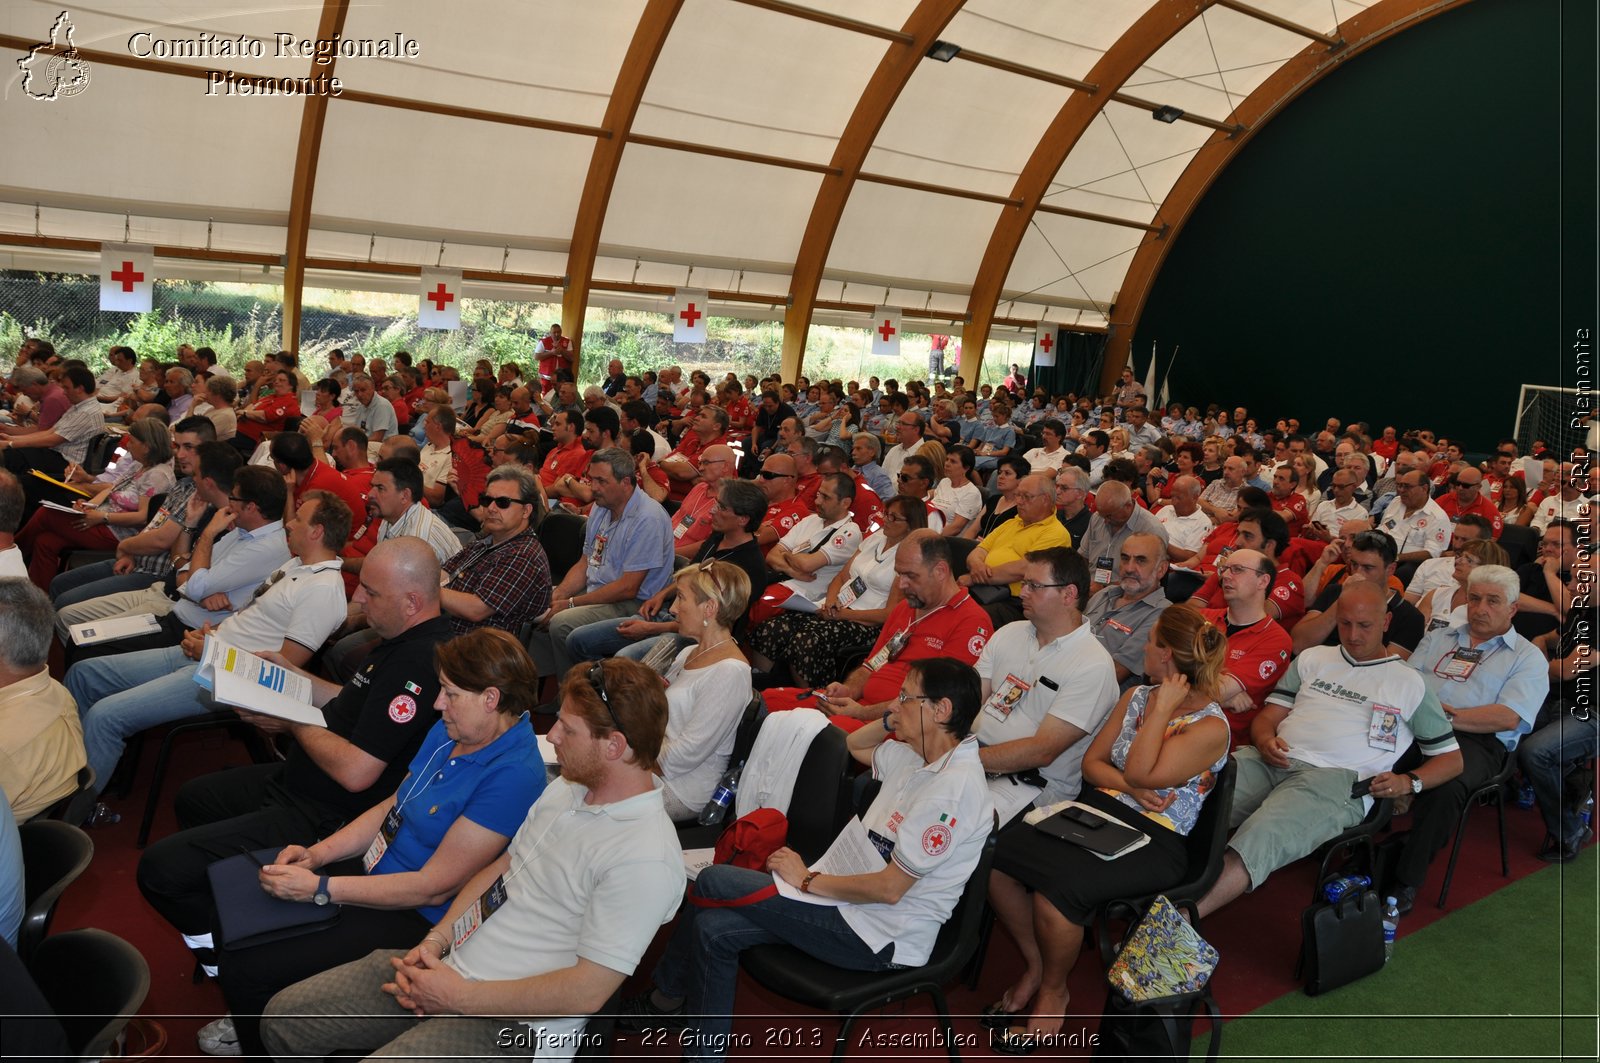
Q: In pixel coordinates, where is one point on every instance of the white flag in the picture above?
(689, 315)
(1044, 344)
(439, 305)
(1150, 378)
(127, 277)
(886, 332)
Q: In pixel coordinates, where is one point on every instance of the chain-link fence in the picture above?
(242, 322)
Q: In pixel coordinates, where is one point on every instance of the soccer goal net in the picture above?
(1556, 417)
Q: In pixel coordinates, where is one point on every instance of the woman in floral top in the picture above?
(1151, 767)
(116, 512)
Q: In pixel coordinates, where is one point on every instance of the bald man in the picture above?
(691, 524)
(1116, 517)
(374, 725)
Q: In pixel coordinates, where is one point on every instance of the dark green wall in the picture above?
(1391, 246)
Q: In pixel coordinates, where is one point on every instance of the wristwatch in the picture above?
(1416, 783)
(321, 896)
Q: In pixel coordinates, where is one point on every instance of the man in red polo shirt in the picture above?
(691, 524)
(1264, 531)
(1287, 501)
(568, 457)
(1258, 646)
(682, 466)
(785, 508)
(936, 618)
(1466, 496)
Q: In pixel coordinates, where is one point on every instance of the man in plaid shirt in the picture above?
(503, 579)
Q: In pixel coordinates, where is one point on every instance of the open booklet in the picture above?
(852, 853)
(239, 677)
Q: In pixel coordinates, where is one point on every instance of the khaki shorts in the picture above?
(1283, 814)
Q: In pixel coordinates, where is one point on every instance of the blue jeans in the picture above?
(121, 695)
(599, 640)
(1544, 756)
(94, 581)
(702, 959)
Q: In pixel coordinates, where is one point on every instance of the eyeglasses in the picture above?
(597, 679)
(1035, 585)
(768, 474)
(1239, 570)
(503, 502)
(241, 501)
(903, 697)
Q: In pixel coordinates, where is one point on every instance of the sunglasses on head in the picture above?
(597, 679)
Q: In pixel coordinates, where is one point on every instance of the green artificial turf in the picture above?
(1512, 976)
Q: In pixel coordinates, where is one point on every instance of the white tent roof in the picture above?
(488, 140)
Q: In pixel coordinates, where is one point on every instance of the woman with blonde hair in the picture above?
(1150, 767)
(708, 685)
(119, 509)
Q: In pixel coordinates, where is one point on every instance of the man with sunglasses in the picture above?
(503, 578)
(1414, 520)
(231, 555)
(1466, 496)
(627, 558)
(779, 480)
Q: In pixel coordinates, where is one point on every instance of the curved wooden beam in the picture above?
(649, 36)
(303, 189)
(1164, 20)
(899, 62)
(1360, 32)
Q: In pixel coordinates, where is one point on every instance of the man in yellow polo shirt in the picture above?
(1000, 558)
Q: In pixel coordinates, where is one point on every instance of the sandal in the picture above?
(1009, 1042)
(996, 1017)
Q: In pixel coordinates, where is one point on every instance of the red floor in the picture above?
(1258, 937)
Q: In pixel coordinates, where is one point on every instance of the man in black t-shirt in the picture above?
(375, 724)
(1370, 556)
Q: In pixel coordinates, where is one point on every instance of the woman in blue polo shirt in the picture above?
(397, 866)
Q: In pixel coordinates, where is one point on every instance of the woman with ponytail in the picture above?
(1151, 767)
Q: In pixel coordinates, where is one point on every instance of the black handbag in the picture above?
(1343, 941)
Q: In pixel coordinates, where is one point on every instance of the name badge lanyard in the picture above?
(491, 900)
(898, 641)
(392, 820)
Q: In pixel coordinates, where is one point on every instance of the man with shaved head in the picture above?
(692, 522)
(1186, 523)
(375, 723)
(779, 480)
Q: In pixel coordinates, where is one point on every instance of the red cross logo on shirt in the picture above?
(126, 276)
(886, 330)
(690, 316)
(440, 297)
(1046, 342)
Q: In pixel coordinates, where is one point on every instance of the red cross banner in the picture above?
(440, 303)
(127, 277)
(886, 332)
(689, 315)
(1044, 344)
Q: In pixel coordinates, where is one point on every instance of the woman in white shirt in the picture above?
(708, 685)
(857, 603)
(1447, 606)
(957, 497)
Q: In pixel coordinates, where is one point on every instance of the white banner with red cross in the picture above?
(440, 303)
(689, 315)
(886, 332)
(1044, 344)
(127, 277)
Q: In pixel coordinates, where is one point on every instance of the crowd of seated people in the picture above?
(1005, 597)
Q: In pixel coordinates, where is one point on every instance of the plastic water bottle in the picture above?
(1586, 813)
(1344, 884)
(1391, 926)
(1525, 797)
(716, 809)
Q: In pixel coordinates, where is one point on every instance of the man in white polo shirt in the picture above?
(1047, 686)
(1414, 520)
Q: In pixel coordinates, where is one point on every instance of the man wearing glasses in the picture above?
(232, 554)
(1047, 687)
(1466, 496)
(908, 432)
(916, 479)
(1414, 520)
(1258, 646)
(503, 579)
(692, 522)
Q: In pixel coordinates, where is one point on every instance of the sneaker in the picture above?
(219, 1038)
(101, 816)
